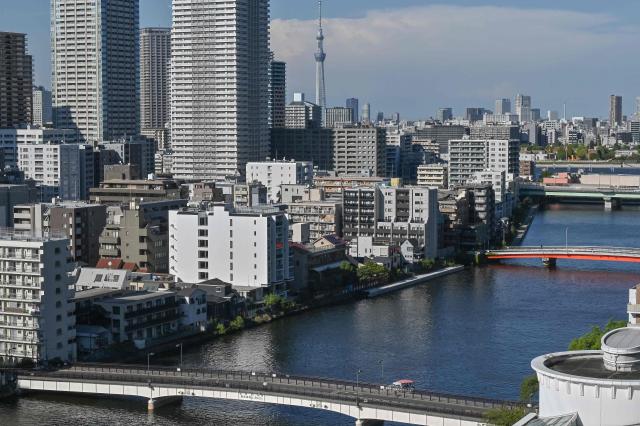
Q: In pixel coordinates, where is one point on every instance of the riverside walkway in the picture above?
(369, 404)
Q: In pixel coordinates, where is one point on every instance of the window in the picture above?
(203, 233)
(203, 265)
(116, 310)
(203, 275)
(203, 243)
(203, 254)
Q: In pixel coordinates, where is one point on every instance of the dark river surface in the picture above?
(472, 333)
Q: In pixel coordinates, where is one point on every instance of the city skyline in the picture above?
(547, 72)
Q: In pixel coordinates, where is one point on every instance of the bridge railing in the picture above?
(591, 249)
(257, 381)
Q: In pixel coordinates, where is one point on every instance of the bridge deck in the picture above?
(611, 254)
(361, 394)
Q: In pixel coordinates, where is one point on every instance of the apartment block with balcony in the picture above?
(81, 222)
(141, 315)
(137, 233)
(359, 151)
(433, 175)
(37, 320)
(468, 156)
(323, 217)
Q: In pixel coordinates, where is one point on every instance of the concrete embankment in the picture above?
(522, 230)
(410, 282)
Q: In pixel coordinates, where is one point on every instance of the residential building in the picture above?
(523, 107)
(324, 217)
(301, 114)
(467, 156)
(503, 106)
(219, 116)
(16, 80)
(42, 107)
(11, 138)
(192, 309)
(494, 132)
(338, 116)
(314, 145)
(440, 134)
(138, 151)
(359, 150)
(366, 114)
(615, 111)
(155, 83)
(354, 105)
(82, 223)
(393, 215)
(333, 186)
(12, 195)
(277, 93)
(527, 168)
(315, 262)
(123, 191)
(300, 193)
(37, 320)
(250, 194)
(444, 114)
(142, 316)
(137, 233)
(433, 175)
(65, 171)
(95, 66)
(273, 174)
(247, 247)
(474, 114)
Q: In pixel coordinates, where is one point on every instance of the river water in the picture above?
(472, 333)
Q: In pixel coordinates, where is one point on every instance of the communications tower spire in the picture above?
(321, 91)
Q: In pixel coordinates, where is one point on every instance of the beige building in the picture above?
(323, 217)
(435, 175)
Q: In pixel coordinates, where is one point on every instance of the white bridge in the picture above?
(368, 404)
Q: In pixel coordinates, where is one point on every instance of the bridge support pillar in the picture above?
(154, 403)
(611, 204)
(367, 422)
(549, 262)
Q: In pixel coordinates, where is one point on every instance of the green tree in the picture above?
(529, 388)
(221, 329)
(504, 416)
(272, 301)
(593, 339)
(237, 324)
(372, 273)
(427, 264)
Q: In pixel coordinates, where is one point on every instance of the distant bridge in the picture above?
(611, 196)
(551, 254)
(368, 404)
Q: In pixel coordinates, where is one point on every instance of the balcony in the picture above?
(109, 240)
(633, 308)
(151, 310)
(169, 317)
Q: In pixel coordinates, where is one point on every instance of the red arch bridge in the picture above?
(549, 255)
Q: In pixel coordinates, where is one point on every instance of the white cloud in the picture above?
(414, 59)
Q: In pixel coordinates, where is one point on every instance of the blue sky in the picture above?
(413, 56)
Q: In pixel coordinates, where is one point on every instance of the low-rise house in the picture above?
(312, 262)
(192, 304)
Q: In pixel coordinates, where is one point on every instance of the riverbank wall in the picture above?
(410, 282)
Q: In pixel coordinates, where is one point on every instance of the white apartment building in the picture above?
(273, 174)
(95, 48)
(248, 248)
(11, 138)
(42, 106)
(433, 175)
(219, 86)
(468, 156)
(301, 114)
(64, 171)
(36, 316)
